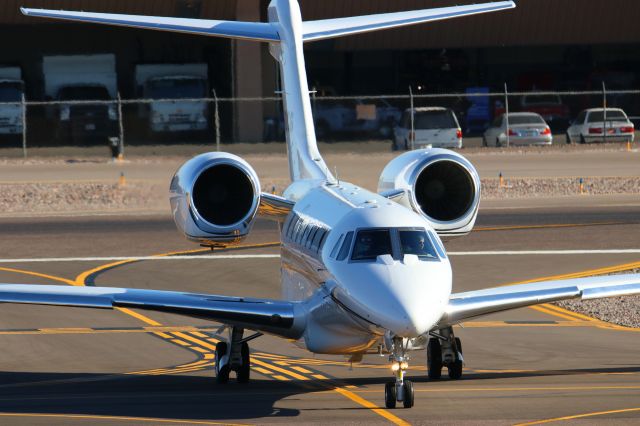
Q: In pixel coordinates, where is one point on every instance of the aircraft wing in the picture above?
(281, 318)
(465, 306)
(330, 28)
(258, 31)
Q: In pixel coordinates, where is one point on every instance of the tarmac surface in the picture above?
(78, 366)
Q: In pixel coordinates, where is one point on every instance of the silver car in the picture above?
(434, 126)
(520, 128)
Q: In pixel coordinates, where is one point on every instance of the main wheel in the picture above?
(390, 395)
(222, 373)
(434, 359)
(244, 372)
(455, 369)
(407, 402)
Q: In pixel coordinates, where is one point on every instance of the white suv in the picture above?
(435, 126)
(589, 126)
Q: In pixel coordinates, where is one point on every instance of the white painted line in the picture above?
(277, 256)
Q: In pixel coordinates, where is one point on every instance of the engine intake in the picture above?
(214, 198)
(439, 184)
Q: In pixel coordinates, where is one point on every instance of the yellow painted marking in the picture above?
(279, 377)
(82, 278)
(262, 370)
(367, 404)
(212, 340)
(492, 324)
(180, 342)
(579, 416)
(281, 363)
(518, 389)
(37, 274)
(164, 335)
(117, 418)
(209, 356)
(302, 370)
(198, 334)
(544, 309)
(280, 370)
(351, 387)
(549, 226)
(196, 341)
(141, 317)
(320, 377)
(201, 350)
(65, 331)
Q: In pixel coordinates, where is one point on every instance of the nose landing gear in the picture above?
(444, 350)
(400, 390)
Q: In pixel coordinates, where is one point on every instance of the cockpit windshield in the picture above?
(417, 242)
(372, 243)
(396, 242)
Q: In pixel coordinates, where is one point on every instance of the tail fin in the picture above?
(258, 31)
(331, 28)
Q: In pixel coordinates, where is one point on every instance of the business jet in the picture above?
(360, 270)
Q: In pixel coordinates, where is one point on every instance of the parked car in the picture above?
(520, 128)
(353, 117)
(435, 126)
(86, 122)
(550, 107)
(589, 126)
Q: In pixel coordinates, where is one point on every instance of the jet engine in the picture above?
(439, 184)
(214, 199)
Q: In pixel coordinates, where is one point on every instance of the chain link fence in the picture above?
(119, 123)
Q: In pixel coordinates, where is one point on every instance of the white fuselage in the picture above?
(352, 304)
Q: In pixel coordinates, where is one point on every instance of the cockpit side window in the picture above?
(346, 245)
(371, 243)
(417, 242)
(438, 243)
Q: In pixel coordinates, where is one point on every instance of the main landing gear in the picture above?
(444, 350)
(400, 390)
(234, 356)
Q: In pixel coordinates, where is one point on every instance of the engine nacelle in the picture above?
(215, 198)
(439, 184)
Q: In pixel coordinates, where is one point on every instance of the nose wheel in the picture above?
(400, 390)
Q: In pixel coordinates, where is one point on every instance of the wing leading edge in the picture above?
(330, 28)
(465, 306)
(281, 318)
(257, 31)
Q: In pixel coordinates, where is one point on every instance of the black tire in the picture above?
(582, 140)
(455, 369)
(484, 142)
(407, 402)
(434, 359)
(244, 372)
(394, 145)
(498, 143)
(568, 139)
(222, 374)
(390, 395)
(406, 145)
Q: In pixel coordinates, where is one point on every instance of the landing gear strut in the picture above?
(400, 390)
(234, 356)
(444, 350)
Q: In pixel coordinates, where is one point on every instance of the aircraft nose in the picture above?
(408, 318)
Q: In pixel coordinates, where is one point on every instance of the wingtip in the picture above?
(24, 11)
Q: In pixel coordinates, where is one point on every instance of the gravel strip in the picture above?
(624, 311)
(536, 187)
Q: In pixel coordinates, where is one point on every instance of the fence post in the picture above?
(604, 113)
(216, 119)
(121, 130)
(24, 127)
(413, 130)
(506, 112)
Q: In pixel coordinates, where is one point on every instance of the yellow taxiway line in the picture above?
(579, 416)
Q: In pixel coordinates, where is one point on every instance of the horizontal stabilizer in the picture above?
(465, 306)
(258, 31)
(330, 28)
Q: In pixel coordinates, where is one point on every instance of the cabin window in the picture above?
(417, 242)
(335, 249)
(371, 243)
(317, 240)
(346, 245)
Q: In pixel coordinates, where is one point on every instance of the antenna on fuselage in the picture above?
(335, 172)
